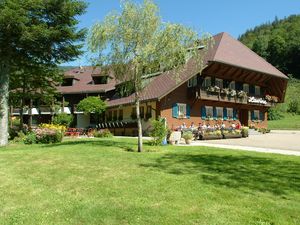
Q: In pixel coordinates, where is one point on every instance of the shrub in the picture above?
(158, 132)
(187, 135)
(102, 133)
(47, 135)
(263, 130)
(30, 138)
(19, 137)
(245, 131)
(13, 133)
(274, 114)
(294, 107)
(63, 119)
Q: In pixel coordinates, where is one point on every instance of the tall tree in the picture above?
(135, 42)
(35, 32)
(35, 83)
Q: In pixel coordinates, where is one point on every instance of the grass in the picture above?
(101, 181)
(289, 122)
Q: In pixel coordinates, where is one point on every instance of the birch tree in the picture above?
(135, 42)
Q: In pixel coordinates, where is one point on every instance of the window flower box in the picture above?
(232, 134)
(212, 135)
(213, 89)
(242, 94)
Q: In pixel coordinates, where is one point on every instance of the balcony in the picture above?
(231, 96)
(41, 110)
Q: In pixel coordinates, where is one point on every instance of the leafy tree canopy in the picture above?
(92, 104)
(278, 42)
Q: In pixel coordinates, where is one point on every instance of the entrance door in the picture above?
(243, 116)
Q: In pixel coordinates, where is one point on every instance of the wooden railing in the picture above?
(200, 93)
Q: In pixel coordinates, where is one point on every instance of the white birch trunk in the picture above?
(4, 83)
(139, 123)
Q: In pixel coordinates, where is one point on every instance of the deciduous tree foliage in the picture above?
(35, 32)
(135, 42)
(278, 42)
(92, 104)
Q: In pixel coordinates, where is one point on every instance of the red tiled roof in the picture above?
(226, 50)
(83, 82)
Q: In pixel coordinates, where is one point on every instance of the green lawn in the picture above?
(101, 181)
(289, 122)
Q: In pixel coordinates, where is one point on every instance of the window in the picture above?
(115, 115)
(142, 112)
(181, 110)
(246, 88)
(256, 114)
(229, 113)
(192, 82)
(149, 112)
(120, 114)
(219, 83)
(207, 82)
(209, 111)
(232, 85)
(219, 112)
(257, 90)
(109, 118)
(133, 113)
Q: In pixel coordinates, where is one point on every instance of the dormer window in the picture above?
(67, 82)
(100, 79)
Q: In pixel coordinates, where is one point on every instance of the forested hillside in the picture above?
(278, 42)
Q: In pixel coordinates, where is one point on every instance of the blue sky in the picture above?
(232, 16)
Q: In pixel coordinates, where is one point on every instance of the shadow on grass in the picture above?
(245, 172)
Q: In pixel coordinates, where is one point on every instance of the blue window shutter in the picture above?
(215, 113)
(175, 110)
(251, 90)
(188, 111)
(225, 113)
(261, 115)
(252, 115)
(234, 114)
(203, 112)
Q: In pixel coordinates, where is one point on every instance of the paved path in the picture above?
(278, 141)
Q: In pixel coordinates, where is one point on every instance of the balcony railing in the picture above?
(226, 95)
(41, 110)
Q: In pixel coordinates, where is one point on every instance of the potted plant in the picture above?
(188, 137)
